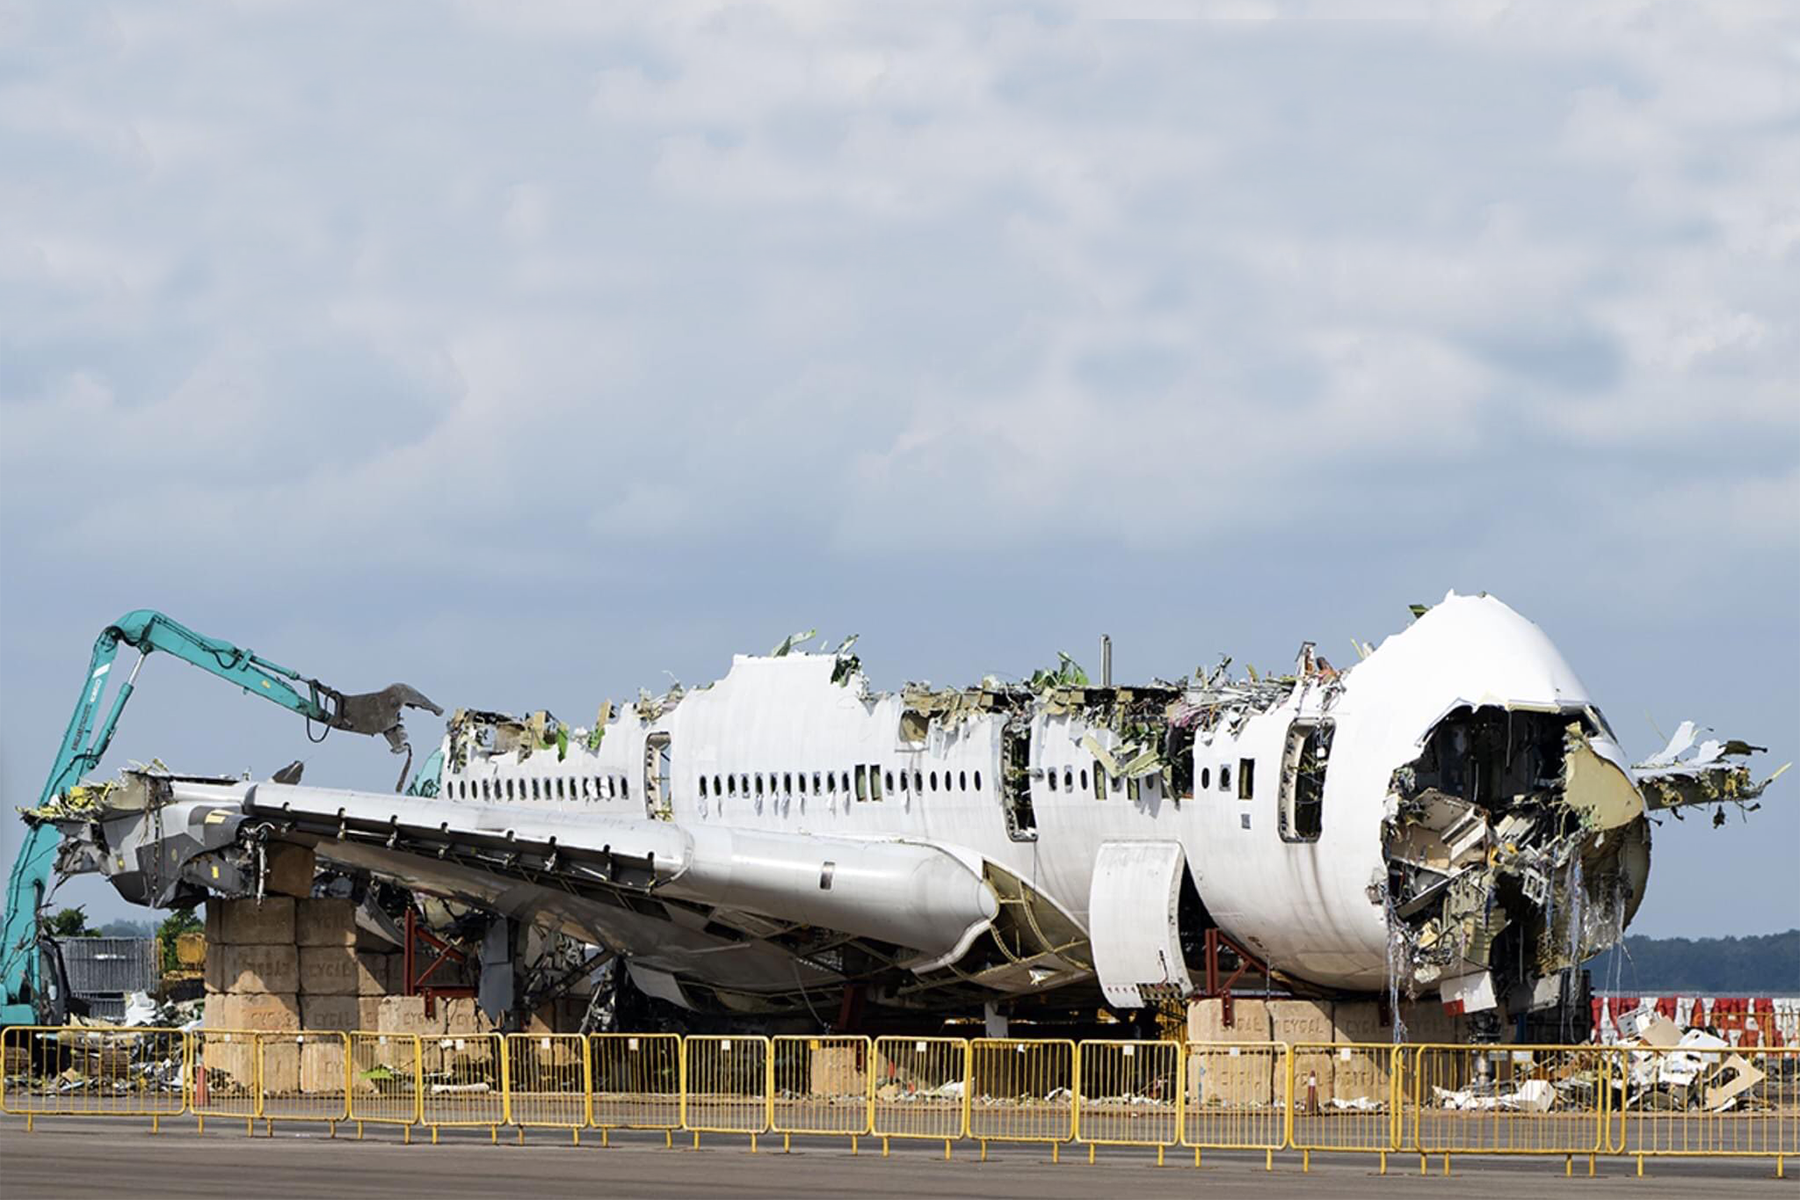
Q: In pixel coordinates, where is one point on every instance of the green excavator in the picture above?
(31, 985)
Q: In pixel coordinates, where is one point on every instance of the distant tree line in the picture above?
(1768, 964)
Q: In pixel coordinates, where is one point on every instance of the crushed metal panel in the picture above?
(1596, 787)
(1134, 925)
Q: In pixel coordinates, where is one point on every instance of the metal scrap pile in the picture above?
(1680, 1070)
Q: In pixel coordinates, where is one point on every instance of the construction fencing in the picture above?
(1696, 1100)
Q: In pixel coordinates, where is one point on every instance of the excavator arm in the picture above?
(23, 997)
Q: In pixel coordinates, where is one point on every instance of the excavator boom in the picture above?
(23, 995)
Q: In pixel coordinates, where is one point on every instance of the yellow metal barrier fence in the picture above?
(547, 1082)
(1344, 1096)
(921, 1090)
(725, 1085)
(1022, 1090)
(303, 1077)
(462, 1082)
(1706, 1102)
(634, 1082)
(821, 1085)
(385, 1084)
(1545, 1100)
(93, 1072)
(1129, 1094)
(1236, 1097)
(222, 1079)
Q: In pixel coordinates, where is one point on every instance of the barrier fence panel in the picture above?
(820, 1085)
(96, 1072)
(1128, 1094)
(634, 1081)
(1236, 1097)
(462, 1082)
(385, 1079)
(547, 1082)
(303, 1076)
(1343, 1096)
(1506, 1099)
(1704, 1101)
(1022, 1090)
(921, 1089)
(222, 1075)
(726, 1085)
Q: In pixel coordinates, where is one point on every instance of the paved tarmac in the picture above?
(71, 1157)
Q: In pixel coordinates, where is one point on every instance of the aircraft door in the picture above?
(657, 762)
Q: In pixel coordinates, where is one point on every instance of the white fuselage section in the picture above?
(776, 746)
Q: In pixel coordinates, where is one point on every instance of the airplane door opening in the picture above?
(656, 777)
(1015, 784)
(1303, 765)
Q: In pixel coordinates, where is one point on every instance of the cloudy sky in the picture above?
(533, 352)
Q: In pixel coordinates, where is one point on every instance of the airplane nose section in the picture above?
(1514, 838)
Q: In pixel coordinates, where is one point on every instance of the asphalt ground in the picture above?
(73, 1157)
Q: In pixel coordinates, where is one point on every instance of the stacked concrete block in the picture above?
(1335, 1064)
(835, 1070)
(450, 1016)
(252, 980)
(340, 986)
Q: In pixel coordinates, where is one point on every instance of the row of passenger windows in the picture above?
(561, 787)
(1070, 779)
(870, 783)
(1246, 789)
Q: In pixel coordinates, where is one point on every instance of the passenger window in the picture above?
(918, 781)
(1205, 778)
(874, 783)
(934, 781)
(887, 777)
(787, 783)
(816, 790)
(703, 786)
(759, 791)
(862, 783)
(844, 779)
(801, 780)
(962, 780)
(1246, 778)
(978, 781)
(1084, 779)
(1224, 779)
(831, 782)
(1050, 777)
(903, 781)
(1068, 779)
(509, 794)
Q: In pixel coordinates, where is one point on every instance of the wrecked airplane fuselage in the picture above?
(1450, 814)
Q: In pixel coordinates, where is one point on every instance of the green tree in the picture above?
(69, 923)
(178, 922)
